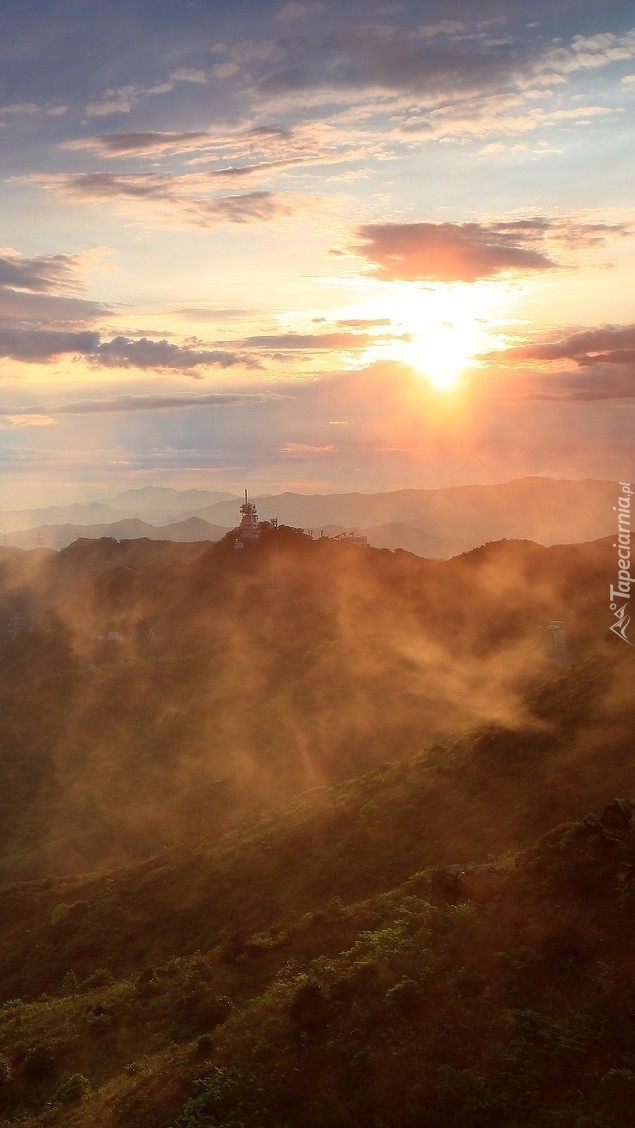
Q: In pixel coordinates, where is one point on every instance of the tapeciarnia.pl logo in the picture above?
(619, 595)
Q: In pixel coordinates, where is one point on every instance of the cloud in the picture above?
(396, 58)
(40, 274)
(389, 58)
(171, 199)
(189, 74)
(364, 323)
(297, 10)
(311, 341)
(393, 58)
(604, 356)
(100, 186)
(151, 143)
(307, 448)
(124, 352)
(604, 381)
(449, 252)
(588, 52)
(19, 109)
(41, 346)
(257, 152)
(443, 80)
(264, 167)
(444, 27)
(52, 310)
(126, 403)
(118, 101)
(39, 319)
(609, 344)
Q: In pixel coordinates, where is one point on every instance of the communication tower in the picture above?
(561, 657)
(248, 529)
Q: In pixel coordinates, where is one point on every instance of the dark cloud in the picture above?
(610, 344)
(450, 252)
(451, 66)
(150, 143)
(40, 346)
(179, 197)
(393, 58)
(124, 352)
(247, 208)
(604, 356)
(107, 185)
(40, 274)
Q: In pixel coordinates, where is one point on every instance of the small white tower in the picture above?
(248, 529)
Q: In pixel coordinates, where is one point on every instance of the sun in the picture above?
(441, 354)
(439, 331)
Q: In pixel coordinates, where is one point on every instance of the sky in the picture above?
(317, 246)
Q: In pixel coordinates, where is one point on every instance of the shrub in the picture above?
(5, 1073)
(405, 996)
(101, 977)
(74, 1089)
(225, 1099)
(39, 1062)
(60, 915)
(69, 984)
(204, 1044)
(99, 1019)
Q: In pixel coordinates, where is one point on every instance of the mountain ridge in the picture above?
(438, 522)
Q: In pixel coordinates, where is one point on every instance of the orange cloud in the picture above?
(449, 252)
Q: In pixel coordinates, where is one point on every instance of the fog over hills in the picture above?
(436, 523)
(313, 810)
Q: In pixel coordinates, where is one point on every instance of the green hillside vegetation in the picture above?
(323, 966)
(320, 853)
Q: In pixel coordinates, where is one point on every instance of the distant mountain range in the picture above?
(129, 528)
(160, 506)
(436, 523)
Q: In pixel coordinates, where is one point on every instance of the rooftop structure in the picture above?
(352, 538)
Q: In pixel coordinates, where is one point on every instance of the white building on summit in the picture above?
(248, 529)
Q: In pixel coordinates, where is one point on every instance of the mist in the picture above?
(152, 697)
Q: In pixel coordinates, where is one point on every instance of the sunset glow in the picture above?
(240, 224)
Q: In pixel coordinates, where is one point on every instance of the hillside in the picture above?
(146, 705)
(309, 835)
(411, 933)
